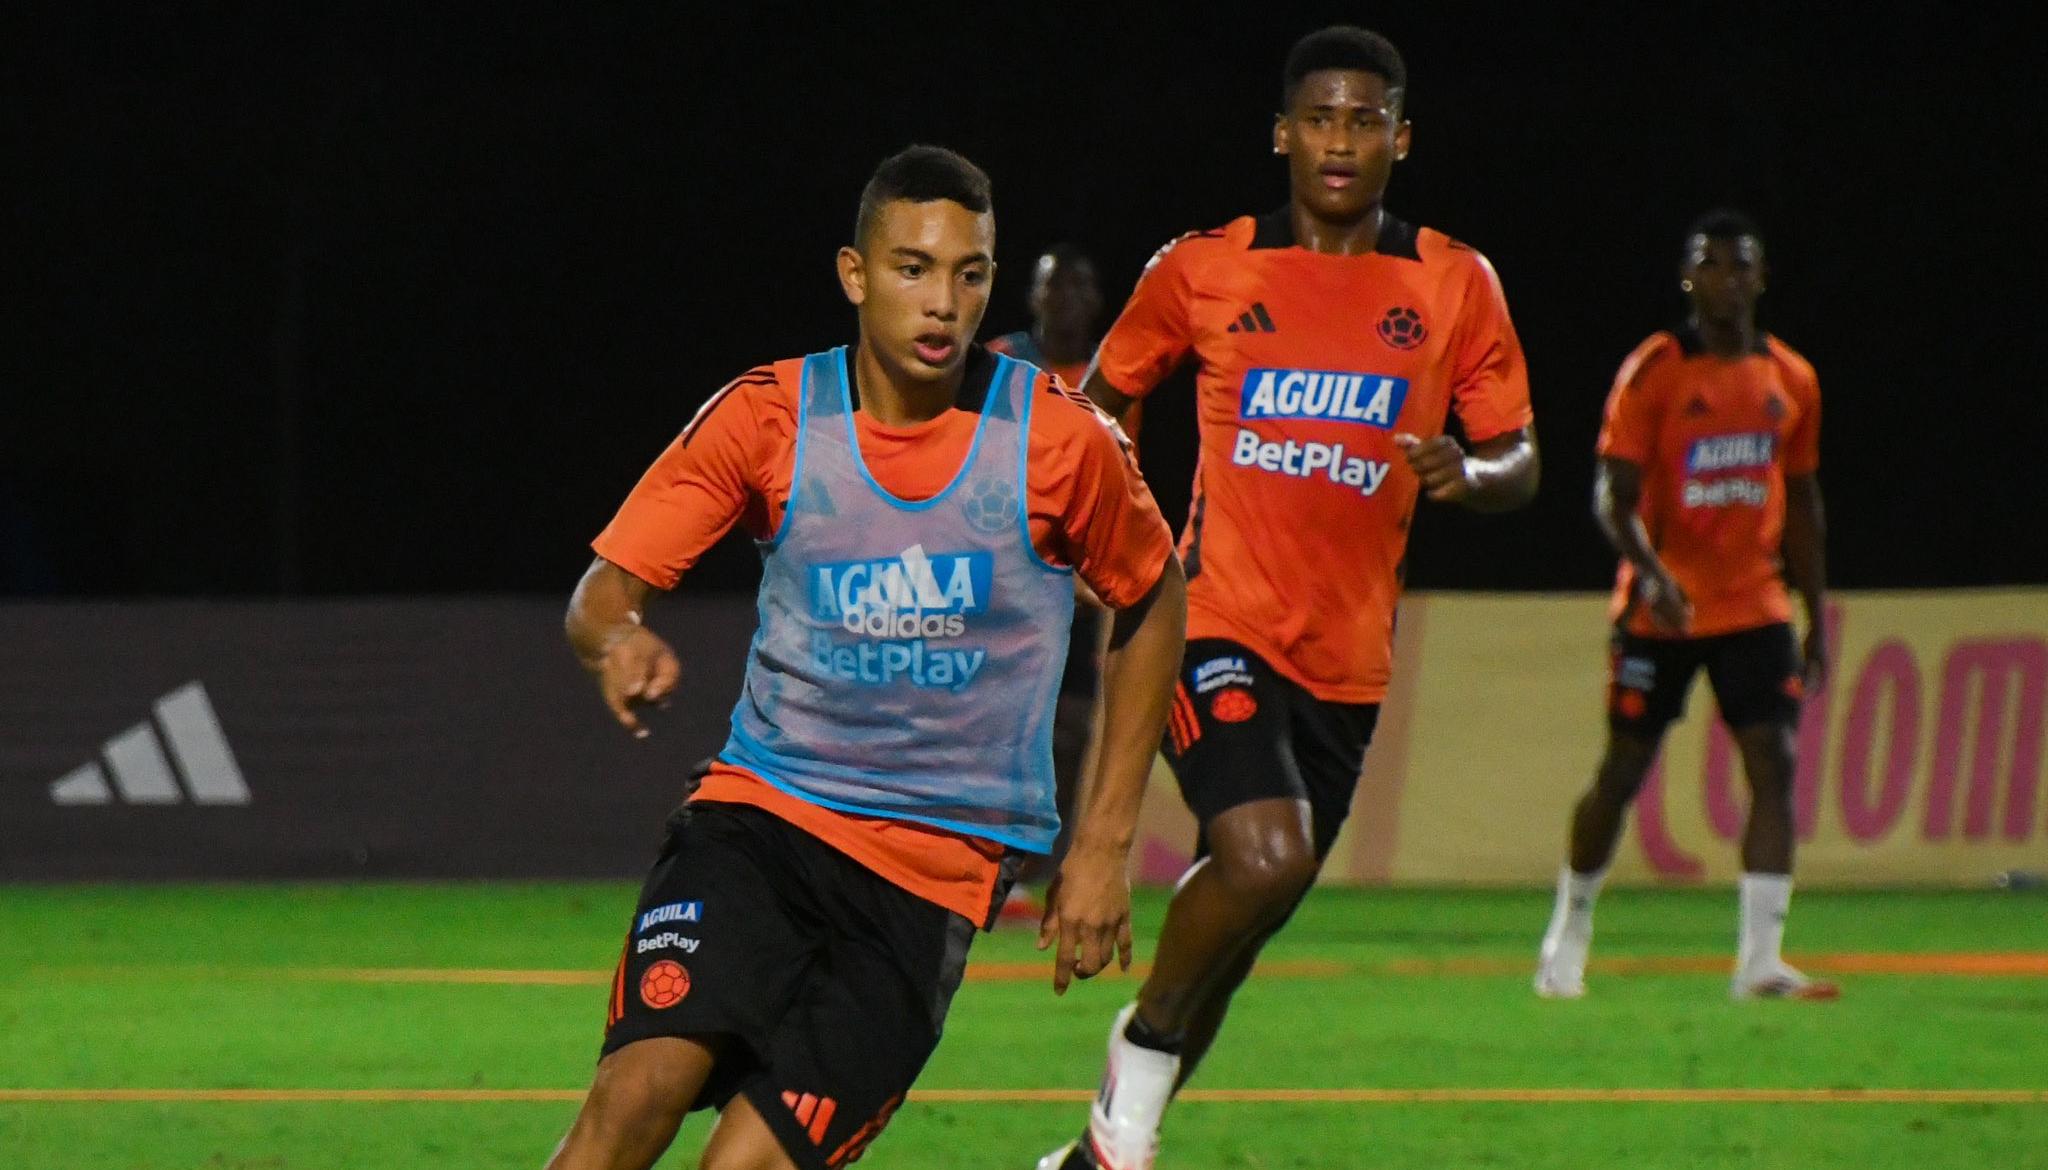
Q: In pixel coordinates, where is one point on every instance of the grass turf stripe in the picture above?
(1450, 1096)
(1993, 964)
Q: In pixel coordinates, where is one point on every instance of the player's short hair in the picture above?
(1722, 223)
(1342, 46)
(921, 174)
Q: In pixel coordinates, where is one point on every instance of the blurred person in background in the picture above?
(1708, 487)
(1066, 308)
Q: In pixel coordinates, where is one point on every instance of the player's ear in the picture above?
(853, 275)
(1282, 141)
(1402, 138)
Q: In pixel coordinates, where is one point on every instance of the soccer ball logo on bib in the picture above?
(990, 504)
(1402, 328)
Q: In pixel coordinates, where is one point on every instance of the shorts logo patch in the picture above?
(1636, 674)
(1794, 688)
(1234, 705)
(667, 940)
(1402, 328)
(664, 985)
(1229, 671)
(1631, 704)
(673, 912)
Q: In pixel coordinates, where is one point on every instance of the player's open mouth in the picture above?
(1336, 178)
(935, 348)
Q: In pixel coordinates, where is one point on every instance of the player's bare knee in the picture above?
(1770, 784)
(1271, 871)
(1616, 786)
(637, 1100)
(1769, 762)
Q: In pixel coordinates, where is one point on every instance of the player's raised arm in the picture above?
(1617, 490)
(1088, 913)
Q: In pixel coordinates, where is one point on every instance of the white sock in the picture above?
(1765, 898)
(1124, 1122)
(1572, 916)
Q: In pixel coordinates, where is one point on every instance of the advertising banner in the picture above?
(1920, 762)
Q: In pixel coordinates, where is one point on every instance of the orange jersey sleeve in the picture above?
(1629, 429)
(1086, 490)
(1154, 332)
(719, 472)
(1490, 378)
(1802, 446)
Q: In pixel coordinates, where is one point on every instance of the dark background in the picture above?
(359, 301)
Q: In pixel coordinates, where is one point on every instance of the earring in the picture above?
(1686, 285)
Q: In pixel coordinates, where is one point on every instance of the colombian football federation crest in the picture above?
(1402, 328)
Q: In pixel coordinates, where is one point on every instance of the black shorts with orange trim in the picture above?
(1756, 676)
(1239, 731)
(822, 986)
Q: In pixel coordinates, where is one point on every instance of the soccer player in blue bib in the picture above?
(922, 507)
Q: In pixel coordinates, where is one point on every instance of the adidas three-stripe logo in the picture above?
(1253, 320)
(142, 773)
(814, 1113)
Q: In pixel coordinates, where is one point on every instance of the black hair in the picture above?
(1342, 46)
(1722, 223)
(921, 174)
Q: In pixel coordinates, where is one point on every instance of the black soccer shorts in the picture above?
(1240, 732)
(1756, 674)
(830, 983)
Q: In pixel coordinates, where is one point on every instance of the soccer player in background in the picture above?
(1066, 305)
(1066, 301)
(1334, 341)
(1707, 484)
(921, 506)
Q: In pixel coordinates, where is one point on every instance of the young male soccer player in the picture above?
(1708, 476)
(921, 507)
(1334, 340)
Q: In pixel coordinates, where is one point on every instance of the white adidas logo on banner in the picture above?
(142, 773)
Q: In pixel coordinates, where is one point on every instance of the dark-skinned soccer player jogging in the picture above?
(1333, 343)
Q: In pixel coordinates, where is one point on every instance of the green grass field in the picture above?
(500, 990)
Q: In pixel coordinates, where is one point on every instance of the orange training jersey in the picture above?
(1309, 365)
(1716, 439)
(1088, 509)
